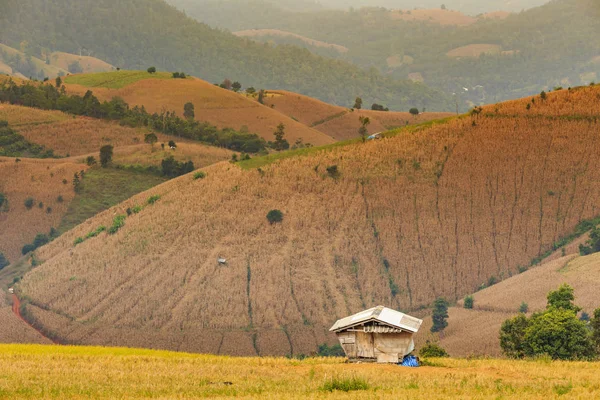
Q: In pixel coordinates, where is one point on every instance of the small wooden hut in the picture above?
(379, 334)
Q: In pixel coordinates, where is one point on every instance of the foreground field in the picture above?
(46, 372)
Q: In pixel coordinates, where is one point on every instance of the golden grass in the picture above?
(252, 33)
(47, 372)
(217, 106)
(18, 116)
(576, 102)
(143, 154)
(88, 64)
(42, 180)
(79, 136)
(475, 50)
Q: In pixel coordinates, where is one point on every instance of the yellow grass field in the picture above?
(217, 106)
(18, 116)
(252, 33)
(41, 180)
(49, 372)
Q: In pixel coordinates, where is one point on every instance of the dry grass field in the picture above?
(18, 116)
(253, 33)
(430, 211)
(217, 106)
(88, 64)
(41, 180)
(339, 122)
(475, 50)
(48, 372)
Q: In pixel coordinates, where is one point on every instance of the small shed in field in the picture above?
(379, 334)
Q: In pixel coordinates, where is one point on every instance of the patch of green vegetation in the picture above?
(345, 384)
(115, 79)
(103, 188)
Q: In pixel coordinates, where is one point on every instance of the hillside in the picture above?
(220, 107)
(141, 33)
(338, 122)
(13, 330)
(25, 65)
(78, 64)
(431, 211)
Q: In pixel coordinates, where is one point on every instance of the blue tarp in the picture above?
(410, 361)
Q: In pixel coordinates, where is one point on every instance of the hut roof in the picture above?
(382, 315)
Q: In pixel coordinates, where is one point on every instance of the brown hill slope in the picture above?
(41, 180)
(339, 122)
(427, 213)
(87, 64)
(217, 106)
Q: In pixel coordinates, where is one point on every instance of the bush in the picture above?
(2, 199)
(469, 301)
(524, 308)
(77, 241)
(153, 199)
(90, 161)
(331, 351)
(199, 175)
(152, 70)
(28, 248)
(333, 171)
(345, 384)
(3, 261)
(275, 216)
(29, 202)
(433, 350)
(60, 199)
(118, 223)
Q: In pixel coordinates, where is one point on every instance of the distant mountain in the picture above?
(494, 57)
(472, 7)
(140, 33)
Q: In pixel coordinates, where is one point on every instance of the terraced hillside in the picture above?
(339, 122)
(220, 107)
(429, 212)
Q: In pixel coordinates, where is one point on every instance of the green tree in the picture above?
(261, 96)
(440, 314)
(274, 216)
(358, 103)
(76, 183)
(595, 324)
(226, 84)
(151, 139)
(29, 202)
(172, 144)
(414, 111)
(75, 68)
(512, 336)
(433, 350)
(363, 131)
(560, 334)
(236, 86)
(3, 261)
(469, 302)
(58, 82)
(106, 154)
(563, 298)
(189, 111)
(152, 70)
(524, 308)
(2, 200)
(280, 143)
(251, 90)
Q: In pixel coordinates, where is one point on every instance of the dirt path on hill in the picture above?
(16, 308)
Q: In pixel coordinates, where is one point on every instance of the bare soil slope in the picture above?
(427, 213)
(217, 106)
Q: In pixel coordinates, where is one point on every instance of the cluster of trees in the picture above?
(592, 245)
(556, 332)
(54, 97)
(14, 145)
(185, 44)
(3, 261)
(40, 240)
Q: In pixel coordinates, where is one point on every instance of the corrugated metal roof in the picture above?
(380, 329)
(381, 314)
